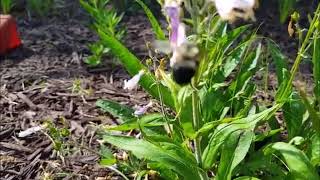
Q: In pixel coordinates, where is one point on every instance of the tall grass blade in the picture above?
(160, 35)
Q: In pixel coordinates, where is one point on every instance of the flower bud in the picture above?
(295, 16)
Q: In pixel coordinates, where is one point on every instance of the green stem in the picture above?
(299, 57)
(196, 124)
(196, 127)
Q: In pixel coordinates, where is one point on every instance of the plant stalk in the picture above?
(196, 126)
(301, 51)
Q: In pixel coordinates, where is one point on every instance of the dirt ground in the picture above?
(37, 84)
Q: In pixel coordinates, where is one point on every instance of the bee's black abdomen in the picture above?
(183, 75)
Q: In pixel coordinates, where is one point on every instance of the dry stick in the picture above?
(25, 99)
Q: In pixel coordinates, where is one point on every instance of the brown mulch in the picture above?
(37, 85)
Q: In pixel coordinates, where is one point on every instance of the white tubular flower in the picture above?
(142, 110)
(29, 131)
(230, 10)
(133, 82)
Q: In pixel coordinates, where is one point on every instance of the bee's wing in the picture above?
(162, 46)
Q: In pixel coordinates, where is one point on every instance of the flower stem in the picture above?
(299, 57)
(196, 126)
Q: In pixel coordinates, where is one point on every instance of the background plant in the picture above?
(105, 18)
(40, 8)
(6, 6)
(215, 130)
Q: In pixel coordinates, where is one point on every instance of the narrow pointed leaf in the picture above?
(169, 155)
(160, 35)
(120, 111)
(298, 163)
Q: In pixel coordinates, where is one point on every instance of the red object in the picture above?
(9, 37)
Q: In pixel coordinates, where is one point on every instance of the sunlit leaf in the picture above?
(315, 149)
(298, 163)
(123, 112)
(170, 155)
(233, 152)
(223, 131)
(150, 120)
(107, 158)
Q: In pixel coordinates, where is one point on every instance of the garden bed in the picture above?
(40, 81)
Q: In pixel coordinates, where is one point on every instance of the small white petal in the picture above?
(29, 131)
(182, 37)
(133, 82)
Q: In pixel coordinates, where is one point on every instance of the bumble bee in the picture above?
(184, 61)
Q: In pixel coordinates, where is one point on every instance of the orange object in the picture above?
(9, 36)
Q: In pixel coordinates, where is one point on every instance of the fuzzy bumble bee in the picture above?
(184, 63)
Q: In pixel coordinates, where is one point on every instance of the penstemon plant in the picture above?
(213, 133)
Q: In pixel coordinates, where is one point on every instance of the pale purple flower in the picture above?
(142, 110)
(133, 82)
(177, 34)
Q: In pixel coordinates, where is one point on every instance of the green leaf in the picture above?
(184, 109)
(169, 155)
(286, 7)
(150, 120)
(165, 172)
(299, 165)
(154, 22)
(266, 134)
(314, 115)
(224, 130)
(233, 59)
(233, 152)
(133, 66)
(247, 178)
(293, 112)
(257, 161)
(279, 59)
(283, 93)
(315, 149)
(212, 103)
(232, 36)
(120, 111)
(107, 158)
